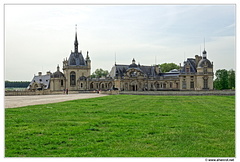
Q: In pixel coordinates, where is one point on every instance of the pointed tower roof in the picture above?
(76, 41)
(76, 58)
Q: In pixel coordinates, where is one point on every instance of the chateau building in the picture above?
(195, 74)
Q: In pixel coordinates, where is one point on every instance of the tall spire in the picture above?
(204, 51)
(76, 41)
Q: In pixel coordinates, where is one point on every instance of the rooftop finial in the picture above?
(133, 61)
(200, 50)
(204, 51)
(115, 58)
(204, 43)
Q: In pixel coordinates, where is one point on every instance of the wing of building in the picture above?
(195, 74)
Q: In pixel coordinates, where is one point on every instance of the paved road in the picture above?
(18, 101)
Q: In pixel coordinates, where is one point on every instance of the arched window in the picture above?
(176, 85)
(110, 85)
(164, 85)
(72, 78)
(91, 86)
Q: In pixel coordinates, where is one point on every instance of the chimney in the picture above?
(157, 69)
(197, 59)
(48, 73)
(39, 73)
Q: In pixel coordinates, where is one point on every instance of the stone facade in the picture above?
(195, 74)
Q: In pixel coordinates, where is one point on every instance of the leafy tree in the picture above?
(221, 81)
(99, 73)
(166, 67)
(231, 79)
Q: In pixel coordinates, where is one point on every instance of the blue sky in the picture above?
(39, 37)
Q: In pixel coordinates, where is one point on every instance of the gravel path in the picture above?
(19, 101)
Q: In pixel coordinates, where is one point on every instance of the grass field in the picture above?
(124, 126)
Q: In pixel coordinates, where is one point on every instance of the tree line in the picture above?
(225, 79)
(16, 84)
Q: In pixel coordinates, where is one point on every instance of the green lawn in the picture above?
(124, 126)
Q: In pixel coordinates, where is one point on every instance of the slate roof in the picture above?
(76, 59)
(205, 62)
(192, 63)
(44, 79)
(57, 74)
(120, 70)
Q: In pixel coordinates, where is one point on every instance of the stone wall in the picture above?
(111, 92)
(114, 92)
(26, 93)
(180, 93)
(45, 92)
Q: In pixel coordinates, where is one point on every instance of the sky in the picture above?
(39, 37)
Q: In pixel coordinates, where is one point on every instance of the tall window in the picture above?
(72, 78)
(184, 84)
(61, 82)
(205, 83)
(191, 84)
